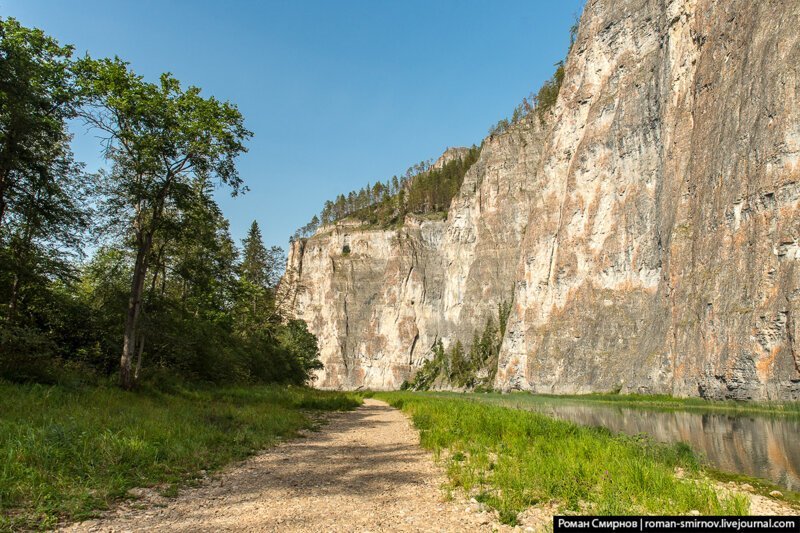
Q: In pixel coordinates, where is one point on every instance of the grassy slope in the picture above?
(65, 453)
(514, 459)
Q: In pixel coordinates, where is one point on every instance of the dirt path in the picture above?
(364, 471)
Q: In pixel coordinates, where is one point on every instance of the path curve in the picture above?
(363, 471)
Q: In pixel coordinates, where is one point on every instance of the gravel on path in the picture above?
(363, 471)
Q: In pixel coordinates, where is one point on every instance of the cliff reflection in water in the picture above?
(758, 446)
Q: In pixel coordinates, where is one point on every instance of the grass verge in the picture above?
(657, 402)
(671, 402)
(67, 453)
(512, 460)
(665, 402)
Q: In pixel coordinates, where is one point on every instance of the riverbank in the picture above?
(512, 460)
(671, 403)
(66, 453)
(758, 448)
(658, 401)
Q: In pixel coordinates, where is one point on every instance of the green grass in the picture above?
(512, 459)
(67, 453)
(637, 401)
(670, 403)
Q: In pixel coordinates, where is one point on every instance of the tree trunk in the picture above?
(3, 191)
(14, 299)
(140, 349)
(127, 378)
(20, 257)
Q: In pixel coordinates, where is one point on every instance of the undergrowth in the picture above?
(66, 453)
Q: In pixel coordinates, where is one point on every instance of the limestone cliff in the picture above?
(378, 299)
(647, 230)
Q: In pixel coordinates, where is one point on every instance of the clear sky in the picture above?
(338, 92)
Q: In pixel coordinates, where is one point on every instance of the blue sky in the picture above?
(338, 93)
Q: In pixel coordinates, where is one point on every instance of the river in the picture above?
(762, 446)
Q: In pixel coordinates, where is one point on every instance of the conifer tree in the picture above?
(255, 266)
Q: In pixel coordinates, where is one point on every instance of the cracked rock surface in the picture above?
(647, 232)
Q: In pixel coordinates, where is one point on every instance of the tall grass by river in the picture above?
(662, 402)
(513, 459)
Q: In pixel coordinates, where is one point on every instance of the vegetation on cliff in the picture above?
(541, 101)
(511, 460)
(164, 291)
(424, 190)
(471, 368)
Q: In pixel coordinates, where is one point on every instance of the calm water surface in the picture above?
(762, 446)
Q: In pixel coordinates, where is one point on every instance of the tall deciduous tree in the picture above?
(41, 214)
(160, 139)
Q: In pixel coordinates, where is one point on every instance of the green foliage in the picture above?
(37, 96)
(541, 102)
(257, 266)
(431, 369)
(473, 369)
(515, 459)
(165, 286)
(302, 345)
(503, 124)
(70, 452)
(503, 312)
(42, 210)
(548, 94)
(432, 191)
(422, 191)
(259, 273)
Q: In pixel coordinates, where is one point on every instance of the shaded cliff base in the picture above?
(471, 368)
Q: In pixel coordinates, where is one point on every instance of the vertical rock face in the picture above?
(379, 308)
(648, 234)
(366, 305)
(661, 254)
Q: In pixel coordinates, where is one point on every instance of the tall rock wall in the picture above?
(648, 233)
(379, 308)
